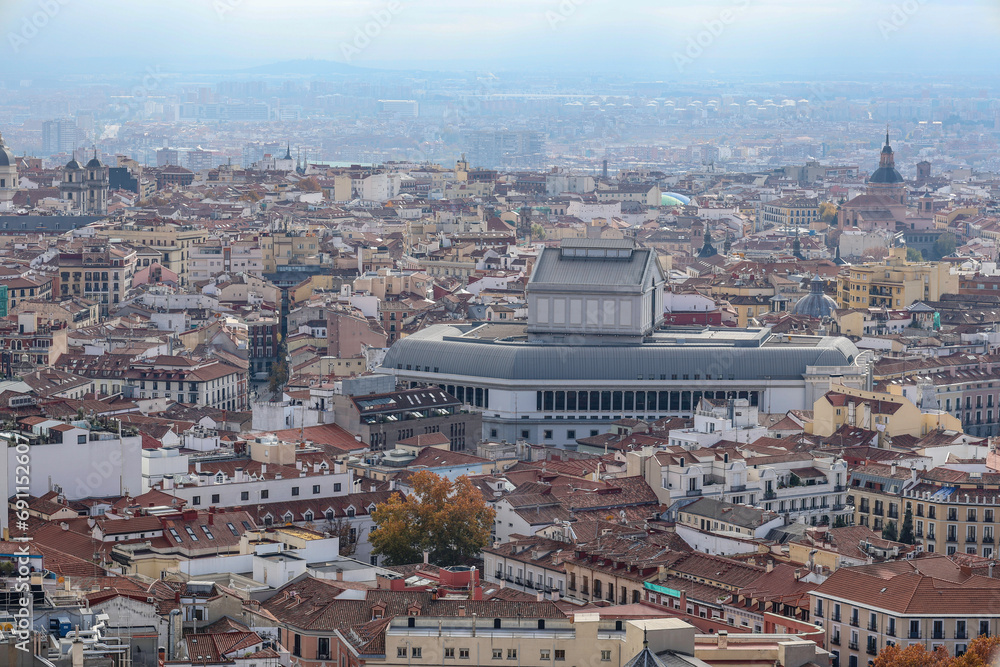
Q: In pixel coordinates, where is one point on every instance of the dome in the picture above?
(815, 304)
(886, 175)
(74, 164)
(667, 200)
(95, 164)
(674, 195)
(7, 158)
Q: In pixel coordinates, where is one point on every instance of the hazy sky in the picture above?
(678, 39)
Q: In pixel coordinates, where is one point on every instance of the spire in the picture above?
(645, 639)
(886, 133)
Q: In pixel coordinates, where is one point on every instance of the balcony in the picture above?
(939, 634)
(873, 627)
(890, 632)
(852, 646)
(872, 649)
(913, 635)
(835, 640)
(818, 613)
(952, 538)
(839, 488)
(893, 515)
(692, 492)
(854, 622)
(961, 634)
(836, 618)
(770, 495)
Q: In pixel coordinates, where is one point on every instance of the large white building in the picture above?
(593, 352)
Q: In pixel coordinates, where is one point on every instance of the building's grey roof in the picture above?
(738, 515)
(595, 264)
(46, 223)
(449, 350)
(816, 303)
(645, 658)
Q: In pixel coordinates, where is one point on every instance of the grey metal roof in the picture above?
(442, 347)
(46, 223)
(553, 270)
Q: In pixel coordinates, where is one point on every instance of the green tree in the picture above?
(537, 231)
(914, 255)
(906, 530)
(448, 519)
(889, 531)
(945, 245)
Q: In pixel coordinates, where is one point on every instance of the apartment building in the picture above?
(210, 257)
(98, 271)
(530, 564)
(213, 383)
(173, 240)
(927, 600)
(798, 485)
(894, 283)
(952, 511)
(790, 212)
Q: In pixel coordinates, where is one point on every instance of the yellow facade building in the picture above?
(894, 283)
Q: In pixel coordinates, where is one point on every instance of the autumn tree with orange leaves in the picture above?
(448, 519)
(981, 652)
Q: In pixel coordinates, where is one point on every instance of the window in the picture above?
(605, 656)
(336, 487)
(263, 494)
(244, 495)
(498, 654)
(295, 490)
(547, 434)
(400, 651)
(196, 500)
(449, 653)
(512, 654)
(81, 439)
(544, 654)
(416, 652)
(463, 653)
(315, 489)
(560, 654)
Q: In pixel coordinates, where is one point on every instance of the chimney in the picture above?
(723, 639)
(461, 610)
(427, 556)
(770, 565)
(798, 574)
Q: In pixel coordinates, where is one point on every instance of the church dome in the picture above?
(885, 175)
(95, 163)
(815, 304)
(7, 158)
(74, 164)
